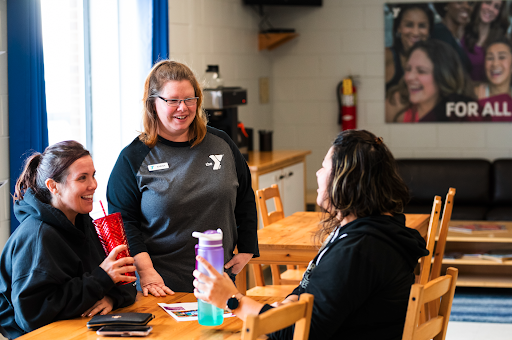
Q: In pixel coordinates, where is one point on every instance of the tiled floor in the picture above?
(479, 331)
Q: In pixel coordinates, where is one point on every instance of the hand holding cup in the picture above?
(110, 230)
(117, 269)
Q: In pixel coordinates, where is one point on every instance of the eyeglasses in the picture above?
(176, 102)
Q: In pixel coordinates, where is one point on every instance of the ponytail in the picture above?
(28, 178)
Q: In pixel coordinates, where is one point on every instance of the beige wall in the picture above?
(4, 130)
(341, 38)
(224, 33)
(346, 37)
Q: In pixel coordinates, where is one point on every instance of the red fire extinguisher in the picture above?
(347, 99)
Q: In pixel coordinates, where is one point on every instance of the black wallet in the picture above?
(119, 319)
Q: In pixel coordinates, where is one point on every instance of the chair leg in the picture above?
(276, 274)
(258, 275)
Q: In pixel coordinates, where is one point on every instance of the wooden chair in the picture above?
(425, 261)
(292, 275)
(298, 313)
(440, 288)
(435, 272)
(443, 232)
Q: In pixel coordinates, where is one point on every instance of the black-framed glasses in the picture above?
(176, 102)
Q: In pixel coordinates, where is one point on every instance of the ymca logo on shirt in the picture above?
(216, 161)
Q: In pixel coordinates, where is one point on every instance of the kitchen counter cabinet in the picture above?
(287, 169)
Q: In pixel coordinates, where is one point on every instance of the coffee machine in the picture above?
(221, 107)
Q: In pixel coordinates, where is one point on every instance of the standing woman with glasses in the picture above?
(179, 176)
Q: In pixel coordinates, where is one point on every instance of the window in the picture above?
(95, 75)
(63, 41)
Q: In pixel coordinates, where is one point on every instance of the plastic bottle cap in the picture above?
(209, 238)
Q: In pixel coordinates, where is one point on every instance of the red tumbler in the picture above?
(110, 230)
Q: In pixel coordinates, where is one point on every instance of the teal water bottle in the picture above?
(210, 248)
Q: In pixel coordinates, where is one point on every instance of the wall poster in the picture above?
(448, 61)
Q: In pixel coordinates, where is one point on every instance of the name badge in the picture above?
(160, 166)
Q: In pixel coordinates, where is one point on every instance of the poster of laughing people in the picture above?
(448, 61)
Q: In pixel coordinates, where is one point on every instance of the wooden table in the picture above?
(292, 240)
(164, 326)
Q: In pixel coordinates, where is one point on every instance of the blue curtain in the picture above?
(160, 30)
(28, 125)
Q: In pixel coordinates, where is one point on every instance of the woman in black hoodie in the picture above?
(363, 272)
(53, 266)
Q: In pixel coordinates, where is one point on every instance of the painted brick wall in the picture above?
(346, 37)
(224, 33)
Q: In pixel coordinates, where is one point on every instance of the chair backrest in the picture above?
(425, 262)
(262, 196)
(437, 263)
(443, 287)
(298, 313)
(443, 232)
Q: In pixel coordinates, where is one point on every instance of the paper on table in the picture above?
(186, 311)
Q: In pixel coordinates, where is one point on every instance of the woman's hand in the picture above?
(103, 306)
(151, 282)
(238, 262)
(289, 299)
(214, 288)
(117, 268)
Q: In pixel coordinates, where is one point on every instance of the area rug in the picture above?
(482, 305)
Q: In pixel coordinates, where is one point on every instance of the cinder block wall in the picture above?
(224, 33)
(346, 37)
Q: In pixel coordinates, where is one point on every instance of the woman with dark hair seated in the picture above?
(363, 272)
(53, 266)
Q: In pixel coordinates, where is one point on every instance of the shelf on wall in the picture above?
(270, 41)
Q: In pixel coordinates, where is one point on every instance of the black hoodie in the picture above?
(49, 269)
(361, 280)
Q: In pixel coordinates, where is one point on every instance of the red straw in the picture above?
(103, 208)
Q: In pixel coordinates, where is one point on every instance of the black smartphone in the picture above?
(124, 330)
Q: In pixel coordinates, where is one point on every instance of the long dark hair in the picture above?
(52, 163)
(364, 179)
(161, 73)
(499, 27)
(397, 41)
